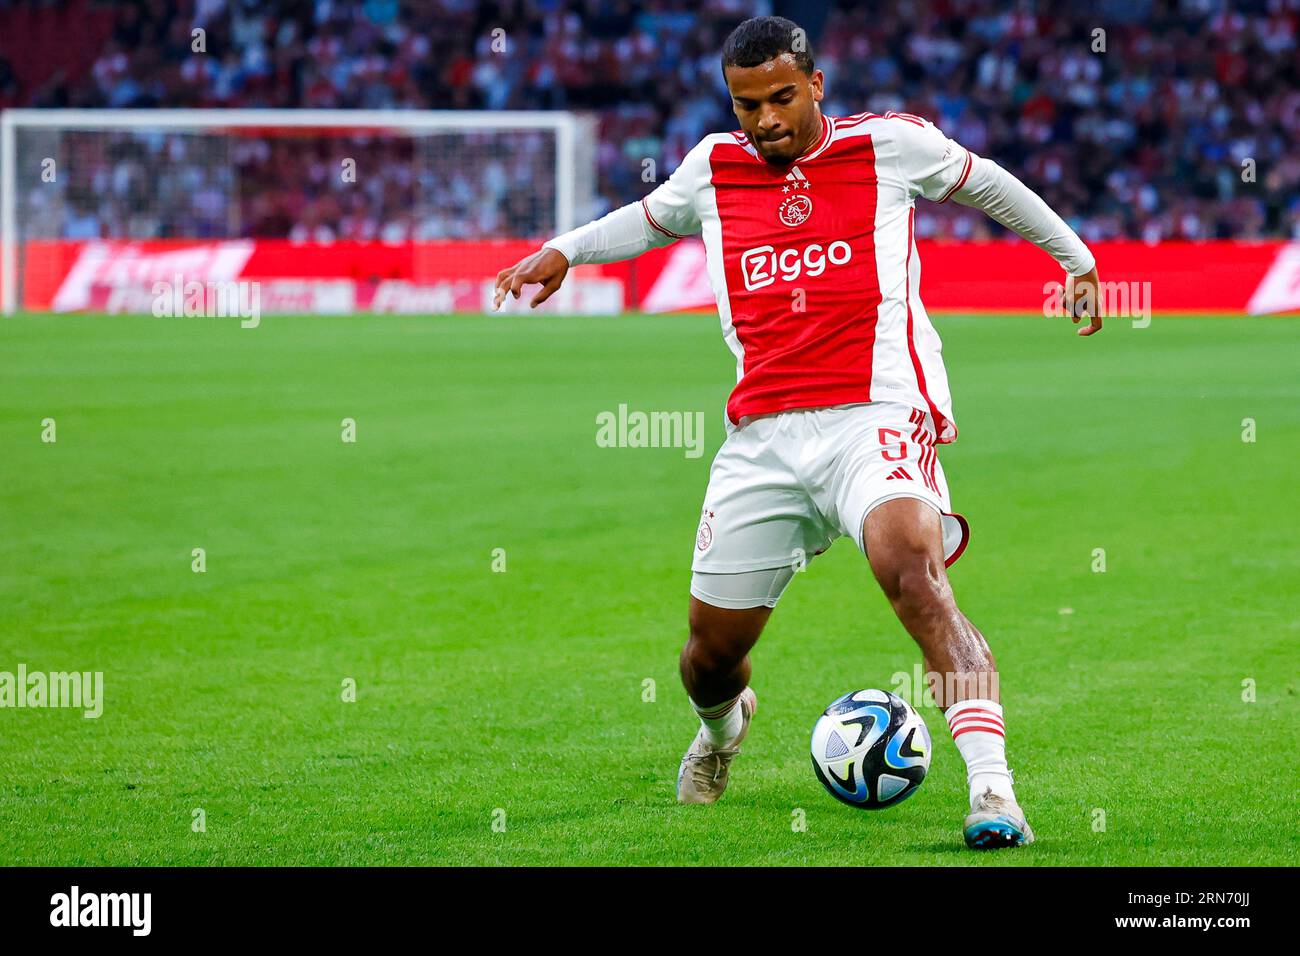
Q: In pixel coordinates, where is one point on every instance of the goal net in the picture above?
(330, 210)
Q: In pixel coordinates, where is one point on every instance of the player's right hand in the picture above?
(547, 266)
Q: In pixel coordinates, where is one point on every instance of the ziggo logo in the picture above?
(763, 265)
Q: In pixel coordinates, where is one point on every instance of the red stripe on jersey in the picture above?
(961, 181)
(911, 337)
(802, 287)
(651, 220)
(905, 117)
(827, 129)
(857, 119)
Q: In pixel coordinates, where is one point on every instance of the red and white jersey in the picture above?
(814, 265)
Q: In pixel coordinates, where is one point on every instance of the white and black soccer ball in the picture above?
(870, 749)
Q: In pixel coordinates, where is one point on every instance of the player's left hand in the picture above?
(1082, 299)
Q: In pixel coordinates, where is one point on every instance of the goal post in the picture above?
(74, 178)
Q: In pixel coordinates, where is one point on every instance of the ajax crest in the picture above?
(704, 537)
(795, 210)
(796, 207)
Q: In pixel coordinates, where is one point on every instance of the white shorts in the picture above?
(783, 487)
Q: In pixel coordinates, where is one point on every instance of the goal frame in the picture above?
(564, 124)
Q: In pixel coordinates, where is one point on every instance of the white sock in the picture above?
(980, 735)
(721, 721)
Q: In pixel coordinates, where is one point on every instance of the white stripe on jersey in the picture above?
(711, 233)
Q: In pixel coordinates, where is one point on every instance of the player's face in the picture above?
(776, 103)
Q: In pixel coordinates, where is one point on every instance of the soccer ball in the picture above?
(870, 749)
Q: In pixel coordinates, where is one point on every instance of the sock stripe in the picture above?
(967, 717)
(970, 728)
(976, 716)
(979, 734)
(717, 710)
(984, 711)
(975, 703)
(978, 723)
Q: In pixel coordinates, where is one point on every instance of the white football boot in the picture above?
(703, 774)
(996, 822)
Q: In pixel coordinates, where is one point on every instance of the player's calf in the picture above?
(715, 661)
(715, 671)
(904, 545)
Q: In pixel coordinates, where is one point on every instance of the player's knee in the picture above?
(710, 650)
(704, 659)
(912, 577)
(718, 640)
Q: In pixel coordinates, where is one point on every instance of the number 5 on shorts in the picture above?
(887, 441)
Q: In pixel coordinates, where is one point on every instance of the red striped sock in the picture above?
(981, 737)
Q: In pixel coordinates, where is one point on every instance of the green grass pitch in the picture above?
(517, 697)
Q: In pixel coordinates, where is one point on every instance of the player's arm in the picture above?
(941, 169)
(623, 234)
(1007, 200)
(663, 217)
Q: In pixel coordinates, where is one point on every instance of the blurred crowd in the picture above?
(1180, 120)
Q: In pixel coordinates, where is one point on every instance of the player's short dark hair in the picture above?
(760, 39)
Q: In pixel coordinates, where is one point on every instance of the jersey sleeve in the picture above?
(931, 164)
(664, 216)
(997, 193)
(670, 209)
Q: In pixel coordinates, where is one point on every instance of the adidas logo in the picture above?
(797, 177)
(899, 473)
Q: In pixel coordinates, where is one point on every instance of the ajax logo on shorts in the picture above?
(704, 537)
(763, 265)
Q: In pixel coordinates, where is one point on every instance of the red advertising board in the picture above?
(445, 277)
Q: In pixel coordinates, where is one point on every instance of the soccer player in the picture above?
(841, 396)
